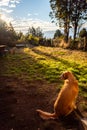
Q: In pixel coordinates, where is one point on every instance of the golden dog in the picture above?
(65, 102)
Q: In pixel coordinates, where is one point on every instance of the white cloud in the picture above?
(23, 25)
(4, 2)
(6, 10)
(17, 1)
(34, 14)
(12, 5)
(6, 7)
(29, 14)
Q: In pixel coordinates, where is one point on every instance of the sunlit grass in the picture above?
(46, 63)
(54, 61)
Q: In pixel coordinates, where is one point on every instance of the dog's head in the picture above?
(65, 75)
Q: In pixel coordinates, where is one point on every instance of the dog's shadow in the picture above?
(70, 122)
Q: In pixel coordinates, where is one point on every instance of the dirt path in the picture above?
(20, 99)
(18, 102)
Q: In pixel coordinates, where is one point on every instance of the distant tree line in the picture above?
(9, 37)
(35, 36)
(79, 43)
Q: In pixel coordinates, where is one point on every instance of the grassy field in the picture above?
(46, 63)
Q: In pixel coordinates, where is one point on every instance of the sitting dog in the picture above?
(65, 102)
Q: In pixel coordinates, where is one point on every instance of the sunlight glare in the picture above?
(5, 18)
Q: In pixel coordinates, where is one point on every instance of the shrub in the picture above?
(34, 40)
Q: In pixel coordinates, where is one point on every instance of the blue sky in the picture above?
(26, 13)
(39, 7)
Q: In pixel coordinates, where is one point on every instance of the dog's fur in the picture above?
(65, 102)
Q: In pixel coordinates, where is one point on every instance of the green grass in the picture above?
(46, 63)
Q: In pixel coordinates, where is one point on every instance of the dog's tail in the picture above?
(46, 115)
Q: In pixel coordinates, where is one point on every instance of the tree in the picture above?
(12, 32)
(39, 32)
(3, 31)
(34, 35)
(61, 10)
(78, 15)
(57, 33)
(35, 32)
(83, 33)
(69, 13)
(20, 35)
(7, 33)
(21, 38)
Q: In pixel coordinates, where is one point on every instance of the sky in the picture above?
(27, 13)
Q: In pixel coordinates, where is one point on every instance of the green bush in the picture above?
(34, 40)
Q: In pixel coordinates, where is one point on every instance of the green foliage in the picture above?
(83, 33)
(68, 13)
(37, 32)
(7, 34)
(47, 64)
(57, 33)
(33, 40)
(34, 35)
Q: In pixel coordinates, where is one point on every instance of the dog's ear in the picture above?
(65, 75)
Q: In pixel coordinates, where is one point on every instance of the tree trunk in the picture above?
(75, 31)
(85, 43)
(66, 32)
